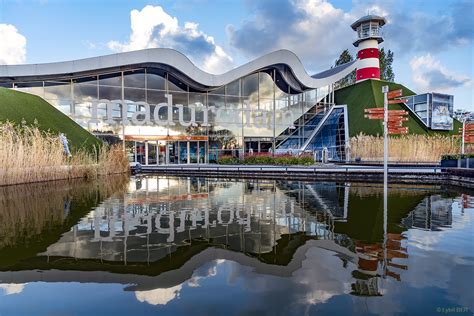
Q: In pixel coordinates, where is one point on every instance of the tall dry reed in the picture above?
(28, 154)
(28, 210)
(407, 148)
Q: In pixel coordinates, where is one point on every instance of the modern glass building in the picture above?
(168, 111)
(435, 110)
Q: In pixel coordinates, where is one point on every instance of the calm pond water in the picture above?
(179, 246)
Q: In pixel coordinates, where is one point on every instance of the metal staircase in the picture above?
(293, 137)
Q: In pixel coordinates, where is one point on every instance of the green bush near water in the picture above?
(281, 160)
(228, 160)
(458, 156)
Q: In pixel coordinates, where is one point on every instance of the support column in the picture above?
(188, 153)
(146, 153)
(157, 152)
(135, 150)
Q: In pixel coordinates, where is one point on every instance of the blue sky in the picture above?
(432, 40)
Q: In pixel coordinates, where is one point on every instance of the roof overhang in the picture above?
(287, 65)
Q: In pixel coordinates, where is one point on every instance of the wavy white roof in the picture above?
(282, 60)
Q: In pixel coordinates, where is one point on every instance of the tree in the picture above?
(344, 58)
(386, 60)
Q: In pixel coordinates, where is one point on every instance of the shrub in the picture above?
(306, 160)
(268, 159)
(228, 160)
(456, 156)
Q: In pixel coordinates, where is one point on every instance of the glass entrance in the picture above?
(163, 152)
(183, 152)
(193, 152)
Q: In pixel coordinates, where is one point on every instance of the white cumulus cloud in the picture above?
(13, 45)
(158, 296)
(315, 30)
(430, 75)
(9, 289)
(152, 27)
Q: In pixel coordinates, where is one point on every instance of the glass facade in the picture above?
(325, 130)
(247, 115)
(331, 136)
(435, 110)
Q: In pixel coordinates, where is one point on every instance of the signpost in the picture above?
(467, 132)
(392, 124)
(392, 121)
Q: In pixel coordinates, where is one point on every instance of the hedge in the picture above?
(457, 156)
(259, 159)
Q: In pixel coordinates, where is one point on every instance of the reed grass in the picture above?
(28, 154)
(30, 211)
(406, 148)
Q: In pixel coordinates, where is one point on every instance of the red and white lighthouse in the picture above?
(368, 40)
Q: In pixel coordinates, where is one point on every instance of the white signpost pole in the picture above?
(385, 172)
(385, 133)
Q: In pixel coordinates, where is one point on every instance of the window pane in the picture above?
(134, 78)
(62, 105)
(174, 84)
(83, 110)
(250, 85)
(57, 90)
(114, 79)
(155, 97)
(280, 94)
(85, 92)
(136, 95)
(110, 93)
(265, 86)
(219, 91)
(155, 79)
(198, 99)
(233, 88)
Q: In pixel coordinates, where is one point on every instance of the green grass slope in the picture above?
(16, 106)
(368, 94)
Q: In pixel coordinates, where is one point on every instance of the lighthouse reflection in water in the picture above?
(178, 245)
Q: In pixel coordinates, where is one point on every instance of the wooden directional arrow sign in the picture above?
(397, 112)
(397, 118)
(394, 125)
(374, 110)
(397, 101)
(374, 116)
(399, 130)
(395, 94)
(381, 111)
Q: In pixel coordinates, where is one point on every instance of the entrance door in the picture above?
(161, 152)
(183, 152)
(193, 152)
(202, 152)
(190, 152)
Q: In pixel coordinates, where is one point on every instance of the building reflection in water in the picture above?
(165, 224)
(159, 215)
